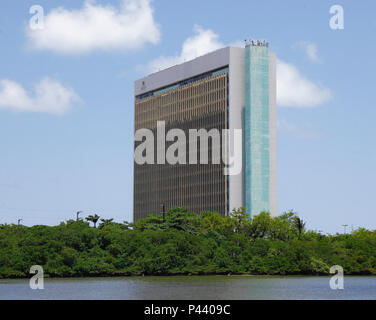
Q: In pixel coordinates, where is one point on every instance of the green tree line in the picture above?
(184, 243)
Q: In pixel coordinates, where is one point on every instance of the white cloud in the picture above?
(294, 90)
(310, 50)
(204, 41)
(97, 27)
(49, 96)
(301, 130)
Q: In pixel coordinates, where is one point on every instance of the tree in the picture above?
(260, 226)
(94, 219)
(211, 220)
(300, 226)
(105, 222)
(151, 222)
(241, 218)
(126, 225)
(182, 219)
(185, 243)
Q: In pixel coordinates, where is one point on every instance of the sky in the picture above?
(66, 100)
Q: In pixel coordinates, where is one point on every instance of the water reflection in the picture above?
(192, 288)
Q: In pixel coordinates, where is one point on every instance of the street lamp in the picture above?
(78, 212)
(345, 225)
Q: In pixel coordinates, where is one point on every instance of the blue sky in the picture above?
(66, 101)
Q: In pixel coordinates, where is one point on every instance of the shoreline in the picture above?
(192, 275)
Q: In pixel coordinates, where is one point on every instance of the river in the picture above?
(192, 288)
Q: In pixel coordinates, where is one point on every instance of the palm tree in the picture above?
(299, 225)
(105, 222)
(93, 219)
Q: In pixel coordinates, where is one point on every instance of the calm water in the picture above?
(194, 287)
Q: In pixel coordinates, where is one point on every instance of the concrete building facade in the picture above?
(231, 88)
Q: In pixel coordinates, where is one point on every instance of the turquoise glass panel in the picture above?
(256, 129)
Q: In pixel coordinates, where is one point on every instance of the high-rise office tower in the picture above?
(231, 88)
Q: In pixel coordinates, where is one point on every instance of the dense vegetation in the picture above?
(184, 243)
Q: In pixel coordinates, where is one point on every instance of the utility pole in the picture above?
(78, 212)
(345, 225)
(163, 211)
